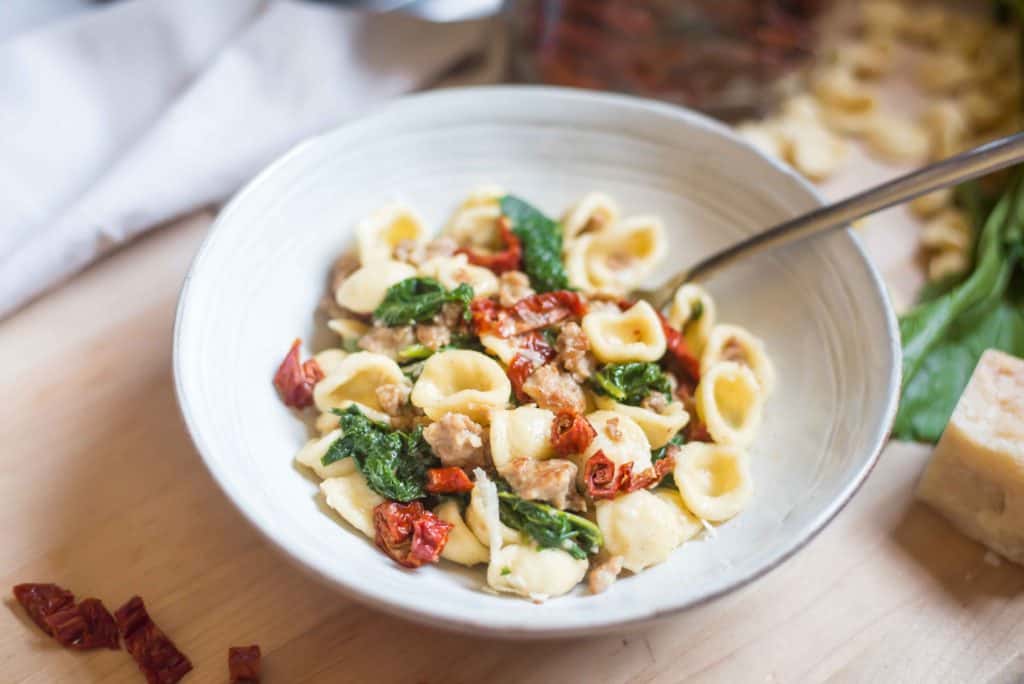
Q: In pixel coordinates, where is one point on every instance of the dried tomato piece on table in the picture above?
(85, 626)
(450, 480)
(571, 433)
(408, 533)
(295, 380)
(602, 479)
(509, 259)
(156, 655)
(43, 600)
(244, 664)
(533, 353)
(529, 313)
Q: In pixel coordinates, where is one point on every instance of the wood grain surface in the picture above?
(101, 491)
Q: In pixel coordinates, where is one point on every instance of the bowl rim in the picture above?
(478, 627)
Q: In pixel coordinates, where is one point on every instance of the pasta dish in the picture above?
(496, 398)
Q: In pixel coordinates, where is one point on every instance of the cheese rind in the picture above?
(976, 475)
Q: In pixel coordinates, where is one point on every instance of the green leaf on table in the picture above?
(541, 238)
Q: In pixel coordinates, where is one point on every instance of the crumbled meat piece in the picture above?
(452, 316)
(574, 352)
(555, 390)
(458, 441)
(513, 286)
(344, 266)
(733, 351)
(553, 480)
(603, 573)
(387, 341)
(655, 401)
(393, 398)
(433, 336)
(416, 252)
(612, 429)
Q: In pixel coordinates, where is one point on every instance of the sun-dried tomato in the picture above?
(571, 433)
(156, 655)
(409, 534)
(697, 431)
(649, 477)
(85, 626)
(603, 481)
(42, 600)
(295, 380)
(450, 480)
(534, 352)
(244, 664)
(679, 359)
(529, 313)
(509, 259)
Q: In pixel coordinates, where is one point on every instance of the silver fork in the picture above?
(963, 167)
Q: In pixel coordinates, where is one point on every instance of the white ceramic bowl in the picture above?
(820, 307)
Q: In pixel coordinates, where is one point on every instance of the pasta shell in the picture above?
(461, 381)
(693, 313)
(713, 480)
(523, 432)
(353, 499)
(463, 547)
(594, 213)
(364, 290)
(658, 427)
(312, 453)
(642, 528)
(631, 335)
(378, 234)
(355, 381)
(729, 401)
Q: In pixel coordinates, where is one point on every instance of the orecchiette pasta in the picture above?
(898, 140)
(455, 270)
(348, 328)
(311, 454)
(729, 401)
(733, 343)
(463, 547)
(932, 203)
(475, 222)
(378, 234)
(641, 527)
(950, 229)
(364, 290)
(659, 426)
(623, 255)
(353, 499)
(631, 335)
(524, 432)
(478, 518)
(355, 380)
(582, 479)
(948, 127)
(713, 479)
(461, 381)
(594, 213)
(838, 89)
(534, 573)
(621, 440)
(693, 313)
(330, 359)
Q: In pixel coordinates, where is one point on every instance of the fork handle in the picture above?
(977, 162)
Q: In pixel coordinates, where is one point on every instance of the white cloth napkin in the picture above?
(124, 117)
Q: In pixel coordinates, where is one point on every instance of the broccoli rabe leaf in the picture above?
(550, 527)
(541, 238)
(657, 454)
(630, 383)
(393, 462)
(415, 300)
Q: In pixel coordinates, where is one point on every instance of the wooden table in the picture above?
(101, 491)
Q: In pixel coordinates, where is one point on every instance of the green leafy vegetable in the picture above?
(350, 344)
(630, 383)
(542, 244)
(415, 300)
(415, 352)
(550, 527)
(505, 570)
(393, 462)
(657, 454)
(943, 337)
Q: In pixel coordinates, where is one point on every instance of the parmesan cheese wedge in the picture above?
(976, 475)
